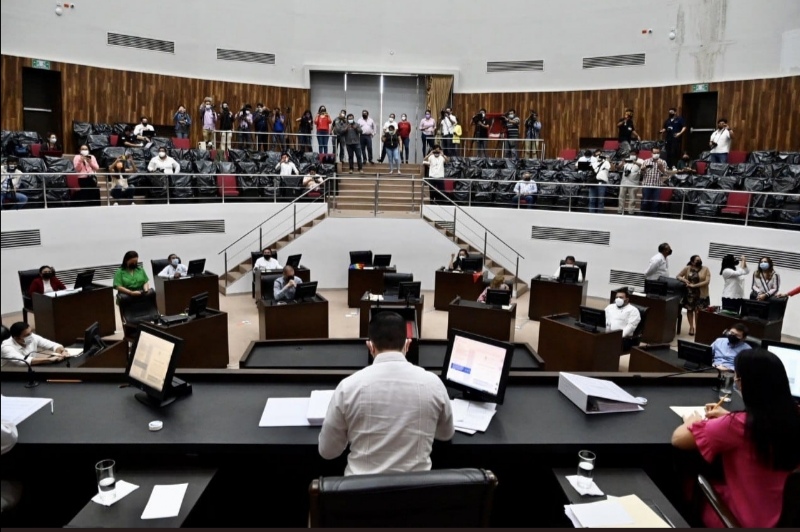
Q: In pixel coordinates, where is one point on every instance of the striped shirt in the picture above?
(652, 172)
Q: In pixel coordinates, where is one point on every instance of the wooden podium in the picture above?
(205, 340)
(365, 280)
(64, 319)
(662, 316)
(364, 306)
(655, 358)
(710, 326)
(482, 319)
(263, 287)
(173, 295)
(566, 347)
(287, 320)
(548, 297)
(450, 285)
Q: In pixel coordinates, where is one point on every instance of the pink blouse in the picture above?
(85, 168)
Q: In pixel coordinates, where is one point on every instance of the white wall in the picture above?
(717, 40)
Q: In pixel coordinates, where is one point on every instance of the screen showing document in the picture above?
(476, 364)
(791, 361)
(151, 360)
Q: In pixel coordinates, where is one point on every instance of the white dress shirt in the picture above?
(526, 188)
(723, 139)
(287, 168)
(436, 165)
(14, 354)
(734, 282)
(264, 264)
(170, 270)
(623, 319)
(390, 413)
(9, 436)
(168, 165)
(141, 128)
(580, 272)
(658, 267)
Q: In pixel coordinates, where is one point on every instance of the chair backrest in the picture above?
(73, 182)
(157, 265)
(665, 194)
(738, 199)
(26, 277)
(438, 498)
(737, 157)
(227, 185)
(790, 514)
(5, 333)
(36, 149)
(267, 284)
(701, 167)
(392, 280)
(645, 154)
(568, 154)
(136, 309)
(579, 264)
(181, 144)
(643, 313)
(610, 145)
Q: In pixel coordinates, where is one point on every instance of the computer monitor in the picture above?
(477, 366)
(497, 297)
(584, 166)
(472, 264)
(696, 355)
(84, 280)
(754, 309)
(197, 305)
(568, 274)
(151, 367)
(361, 257)
(790, 356)
(294, 261)
(196, 267)
(305, 291)
(92, 342)
(409, 290)
(655, 288)
(592, 317)
(674, 286)
(382, 261)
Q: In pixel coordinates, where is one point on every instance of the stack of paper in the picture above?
(165, 501)
(685, 411)
(615, 512)
(296, 411)
(18, 409)
(376, 297)
(472, 416)
(318, 406)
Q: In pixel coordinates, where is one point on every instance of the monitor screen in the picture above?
(382, 261)
(152, 364)
(696, 355)
(196, 267)
(674, 286)
(568, 274)
(361, 257)
(92, 342)
(197, 305)
(593, 317)
(472, 264)
(294, 261)
(655, 288)
(498, 297)
(754, 309)
(790, 356)
(84, 279)
(477, 366)
(305, 291)
(409, 290)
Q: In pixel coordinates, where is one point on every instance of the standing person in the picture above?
(24, 344)
(86, 165)
(447, 125)
(435, 162)
(404, 131)
(323, 123)
(368, 130)
(182, 122)
(226, 131)
(244, 119)
(733, 272)
(10, 185)
(673, 130)
(597, 192)
(659, 266)
(626, 132)
(427, 128)
(766, 281)
(352, 139)
(533, 132)
(278, 130)
(209, 118)
(340, 131)
(306, 127)
(631, 178)
(511, 121)
(260, 125)
(390, 122)
(655, 173)
(696, 277)
(389, 412)
(285, 166)
(391, 143)
(526, 190)
(720, 142)
(481, 132)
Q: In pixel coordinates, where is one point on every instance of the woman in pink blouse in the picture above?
(85, 163)
(758, 448)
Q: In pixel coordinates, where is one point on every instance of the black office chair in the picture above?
(636, 339)
(392, 280)
(5, 333)
(752, 341)
(579, 264)
(254, 256)
(157, 265)
(135, 310)
(440, 498)
(267, 284)
(26, 277)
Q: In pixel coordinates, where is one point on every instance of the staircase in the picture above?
(397, 195)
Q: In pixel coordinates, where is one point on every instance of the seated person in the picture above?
(266, 262)
(570, 261)
(174, 270)
(129, 140)
(526, 189)
(498, 283)
(46, 282)
(119, 169)
(51, 144)
(456, 264)
(163, 163)
(758, 448)
(10, 185)
(585, 161)
(131, 279)
(143, 130)
(312, 181)
(284, 287)
(23, 345)
(622, 316)
(728, 346)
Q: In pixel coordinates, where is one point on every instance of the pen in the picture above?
(64, 380)
(660, 511)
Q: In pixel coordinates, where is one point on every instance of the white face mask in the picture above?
(162, 154)
(403, 117)
(84, 152)
(391, 119)
(511, 115)
(208, 106)
(656, 156)
(175, 262)
(28, 341)
(619, 302)
(52, 139)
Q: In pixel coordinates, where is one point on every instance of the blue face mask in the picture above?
(764, 265)
(175, 262)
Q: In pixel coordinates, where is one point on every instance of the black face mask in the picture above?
(132, 265)
(698, 264)
(267, 257)
(47, 275)
(733, 339)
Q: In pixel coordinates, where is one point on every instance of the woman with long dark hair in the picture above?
(696, 277)
(733, 271)
(131, 279)
(758, 448)
(766, 281)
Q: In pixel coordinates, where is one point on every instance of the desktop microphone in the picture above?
(31, 382)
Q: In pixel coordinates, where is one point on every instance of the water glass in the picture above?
(726, 387)
(106, 480)
(585, 469)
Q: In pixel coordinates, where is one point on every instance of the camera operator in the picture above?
(533, 131)
(631, 178)
(447, 125)
(511, 121)
(626, 132)
(260, 124)
(720, 143)
(244, 119)
(481, 131)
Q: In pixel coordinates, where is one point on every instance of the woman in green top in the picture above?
(130, 279)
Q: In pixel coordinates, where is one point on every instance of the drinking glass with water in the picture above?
(106, 480)
(726, 387)
(585, 469)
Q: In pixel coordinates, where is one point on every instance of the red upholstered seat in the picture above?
(568, 154)
(227, 185)
(702, 166)
(737, 157)
(36, 149)
(181, 144)
(737, 203)
(610, 145)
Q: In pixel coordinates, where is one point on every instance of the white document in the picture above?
(318, 406)
(684, 411)
(60, 293)
(74, 351)
(472, 415)
(600, 514)
(285, 412)
(18, 409)
(593, 490)
(465, 431)
(597, 396)
(123, 489)
(643, 516)
(165, 501)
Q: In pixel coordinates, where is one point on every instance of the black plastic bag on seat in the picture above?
(199, 155)
(32, 164)
(6, 138)
(462, 189)
(762, 157)
(56, 190)
(81, 131)
(225, 167)
(476, 162)
(744, 169)
(206, 185)
(118, 128)
(181, 185)
(504, 186)
(484, 191)
(236, 155)
(161, 142)
(718, 169)
(789, 157)
(102, 129)
(108, 156)
(179, 154)
(326, 169)
(291, 186)
(96, 143)
(268, 185)
(31, 186)
(159, 184)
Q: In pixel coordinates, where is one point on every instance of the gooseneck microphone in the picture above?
(32, 383)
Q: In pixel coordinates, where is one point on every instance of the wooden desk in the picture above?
(113, 356)
(565, 347)
(360, 281)
(662, 316)
(365, 304)
(303, 273)
(280, 320)
(710, 326)
(449, 285)
(479, 318)
(173, 295)
(656, 359)
(64, 319)
(205, 340)
(548, 297)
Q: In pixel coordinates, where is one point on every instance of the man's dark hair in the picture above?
(387, 332)
(623, 291)
(18, 328)
(587, 153)
(742, 328)
(722, 120)
(662, 247)
(570, 257)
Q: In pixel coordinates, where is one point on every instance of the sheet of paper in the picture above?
(684, 411)
(123, 489)
(465, 431)
(165, 501)
(472, 415)
(600, 388)
(593, 490)
(285, 412)
(18, 409)
(318, 406)
(74, 351)
(601, 514)
(643, 516)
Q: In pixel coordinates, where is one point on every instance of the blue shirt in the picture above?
(724, 352)
(282, 292)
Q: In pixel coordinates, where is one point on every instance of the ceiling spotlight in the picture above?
(672, 35)
(59, 11)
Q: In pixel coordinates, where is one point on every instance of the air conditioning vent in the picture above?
(142, 43)
(608, 61)
(20, 239)
(536, 65)
(600, 238)
(189, 227)
(247, 57)
(619, 278)
(101, 273)
(782, 260)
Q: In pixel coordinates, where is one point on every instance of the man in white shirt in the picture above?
(526, 190)
(286, 167)
(659, 266)
(163, 163)
(174, 270)
(597, 192)
(389, 412)
(435, 162)
(720, 142)
(631, 178)
(23, 345)
(368, 130)
(622, 316)
(448, 125)
(141, 127)
(266, 261)
(570, 262)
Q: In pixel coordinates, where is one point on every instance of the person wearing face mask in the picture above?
(118, 171)
(286, 167)
(629, 184)
(46, 282)
(11, 197)
(24, 344)
(368, 130)
(447, 126)
(144, 130)
(163, 163)
(533, 132)
(511, 121)
(569, 261)
(456, 262)
(52, 144)
(654, 173)
(733, 272)
(85, 165)
(673, 130)
(390, 122)
(427, 128)
(244, 126)
(481, 132)
(622, 316)
(391, 143)
(283, 289)
(278, 130)
(128, 139)
(597, 191)
(131, 279)
(720, 142)
(352, 138)
(323, 124)
(766, 281)
(404, 131)
(725, 348)
(182, 122)
(209, 117)
(435, 162)
(696, 277)
(684, 164)
(266, 261)
(626, 132)
(526, 190)
(659, 266)
(340, 127)
(226, 120)
(261, 126)
(174, 269)
(306, 127)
